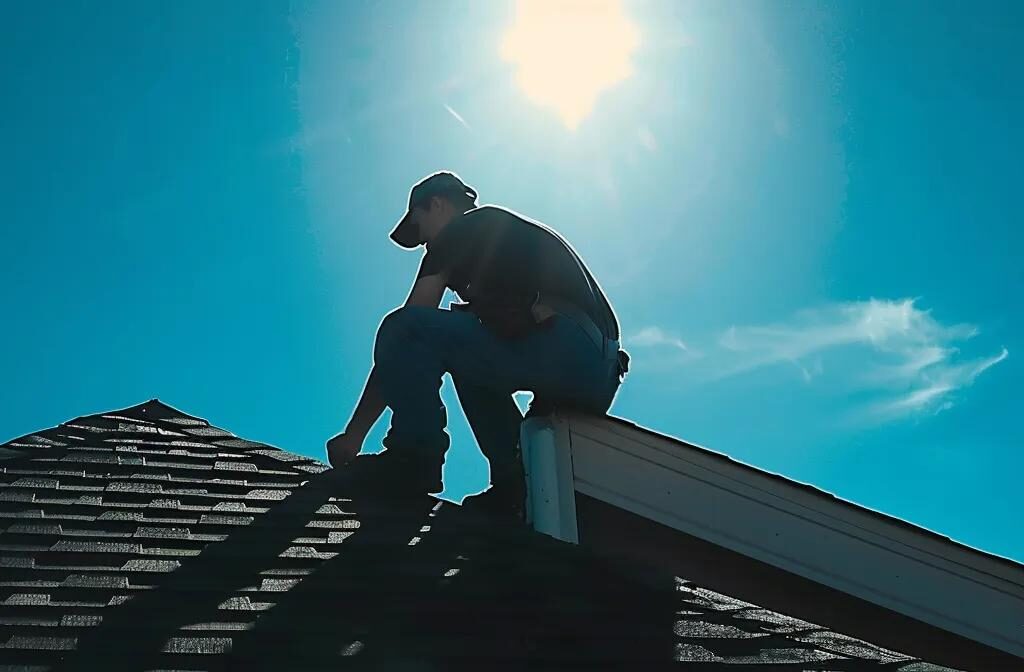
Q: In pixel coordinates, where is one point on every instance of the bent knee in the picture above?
(403, 316)
(400, 323)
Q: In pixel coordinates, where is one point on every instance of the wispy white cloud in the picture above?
(893, 350)
(458, 117)
(886, 326)
(651, 336)
(934, 385)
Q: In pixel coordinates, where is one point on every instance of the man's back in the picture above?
(494, 254)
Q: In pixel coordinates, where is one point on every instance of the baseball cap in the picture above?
(441, 183)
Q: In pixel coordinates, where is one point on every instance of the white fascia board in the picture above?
(547, 466)
(808, 533)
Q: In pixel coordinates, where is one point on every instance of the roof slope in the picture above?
(147, 538)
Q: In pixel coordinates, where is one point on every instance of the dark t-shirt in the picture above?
(494, 254)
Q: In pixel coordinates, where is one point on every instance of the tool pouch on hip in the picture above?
(623, 363)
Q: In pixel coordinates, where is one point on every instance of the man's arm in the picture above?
(426, 291)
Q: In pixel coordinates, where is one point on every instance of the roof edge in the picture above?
(800, 529)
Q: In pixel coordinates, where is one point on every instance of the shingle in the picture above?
(307, 552)
(29, 528)
(239, 506)
(197, 645)
(279, 455)
(278, 585)
(851, 647)
(352, 648)
(219, 625)
(91, 449)
(78, 487)
(312, 468)
(269, 495)
(188, 422)
(164, 503)
(300, 552)
(715, 600)
(207, 431)
(239, 443)
(114, 416)
(16, 496)
(165, 464)
(243, 604)
(703, 629)
(80, 620)
(691, 653)
(36, 483)
(163, 532)
(173, 552)
(65, 545)
(777, 656)
(29, 621)
(92, 428)
(338, 537)
(41, 643)
(130, 516)
(214, 519)
(192, 492)
(145, 488)
(98, 458)
(37, 440)
(776, 622)
(23, 548)
(24, 513)
(235, 466)
(94, 581)
(28, 599)
(151, 565)
(343, 524)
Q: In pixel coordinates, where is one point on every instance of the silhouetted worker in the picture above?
(533, 319)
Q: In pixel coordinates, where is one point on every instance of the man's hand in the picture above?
(343, 448)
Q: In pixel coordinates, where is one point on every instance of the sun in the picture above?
(569, 51)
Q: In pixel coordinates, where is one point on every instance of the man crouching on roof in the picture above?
(533, 318)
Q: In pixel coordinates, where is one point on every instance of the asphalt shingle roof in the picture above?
(146, 538)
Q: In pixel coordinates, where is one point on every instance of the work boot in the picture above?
(498, 506)
(393, 475)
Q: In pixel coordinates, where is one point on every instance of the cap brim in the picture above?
(406, 233)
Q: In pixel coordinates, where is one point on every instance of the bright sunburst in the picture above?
(569, 51)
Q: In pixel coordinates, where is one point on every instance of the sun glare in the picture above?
(569, 51)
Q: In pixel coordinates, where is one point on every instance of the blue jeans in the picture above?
(416, 345)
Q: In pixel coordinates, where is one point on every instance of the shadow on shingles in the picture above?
(132, 635)
(472, 594)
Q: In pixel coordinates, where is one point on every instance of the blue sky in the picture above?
(806, 217)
